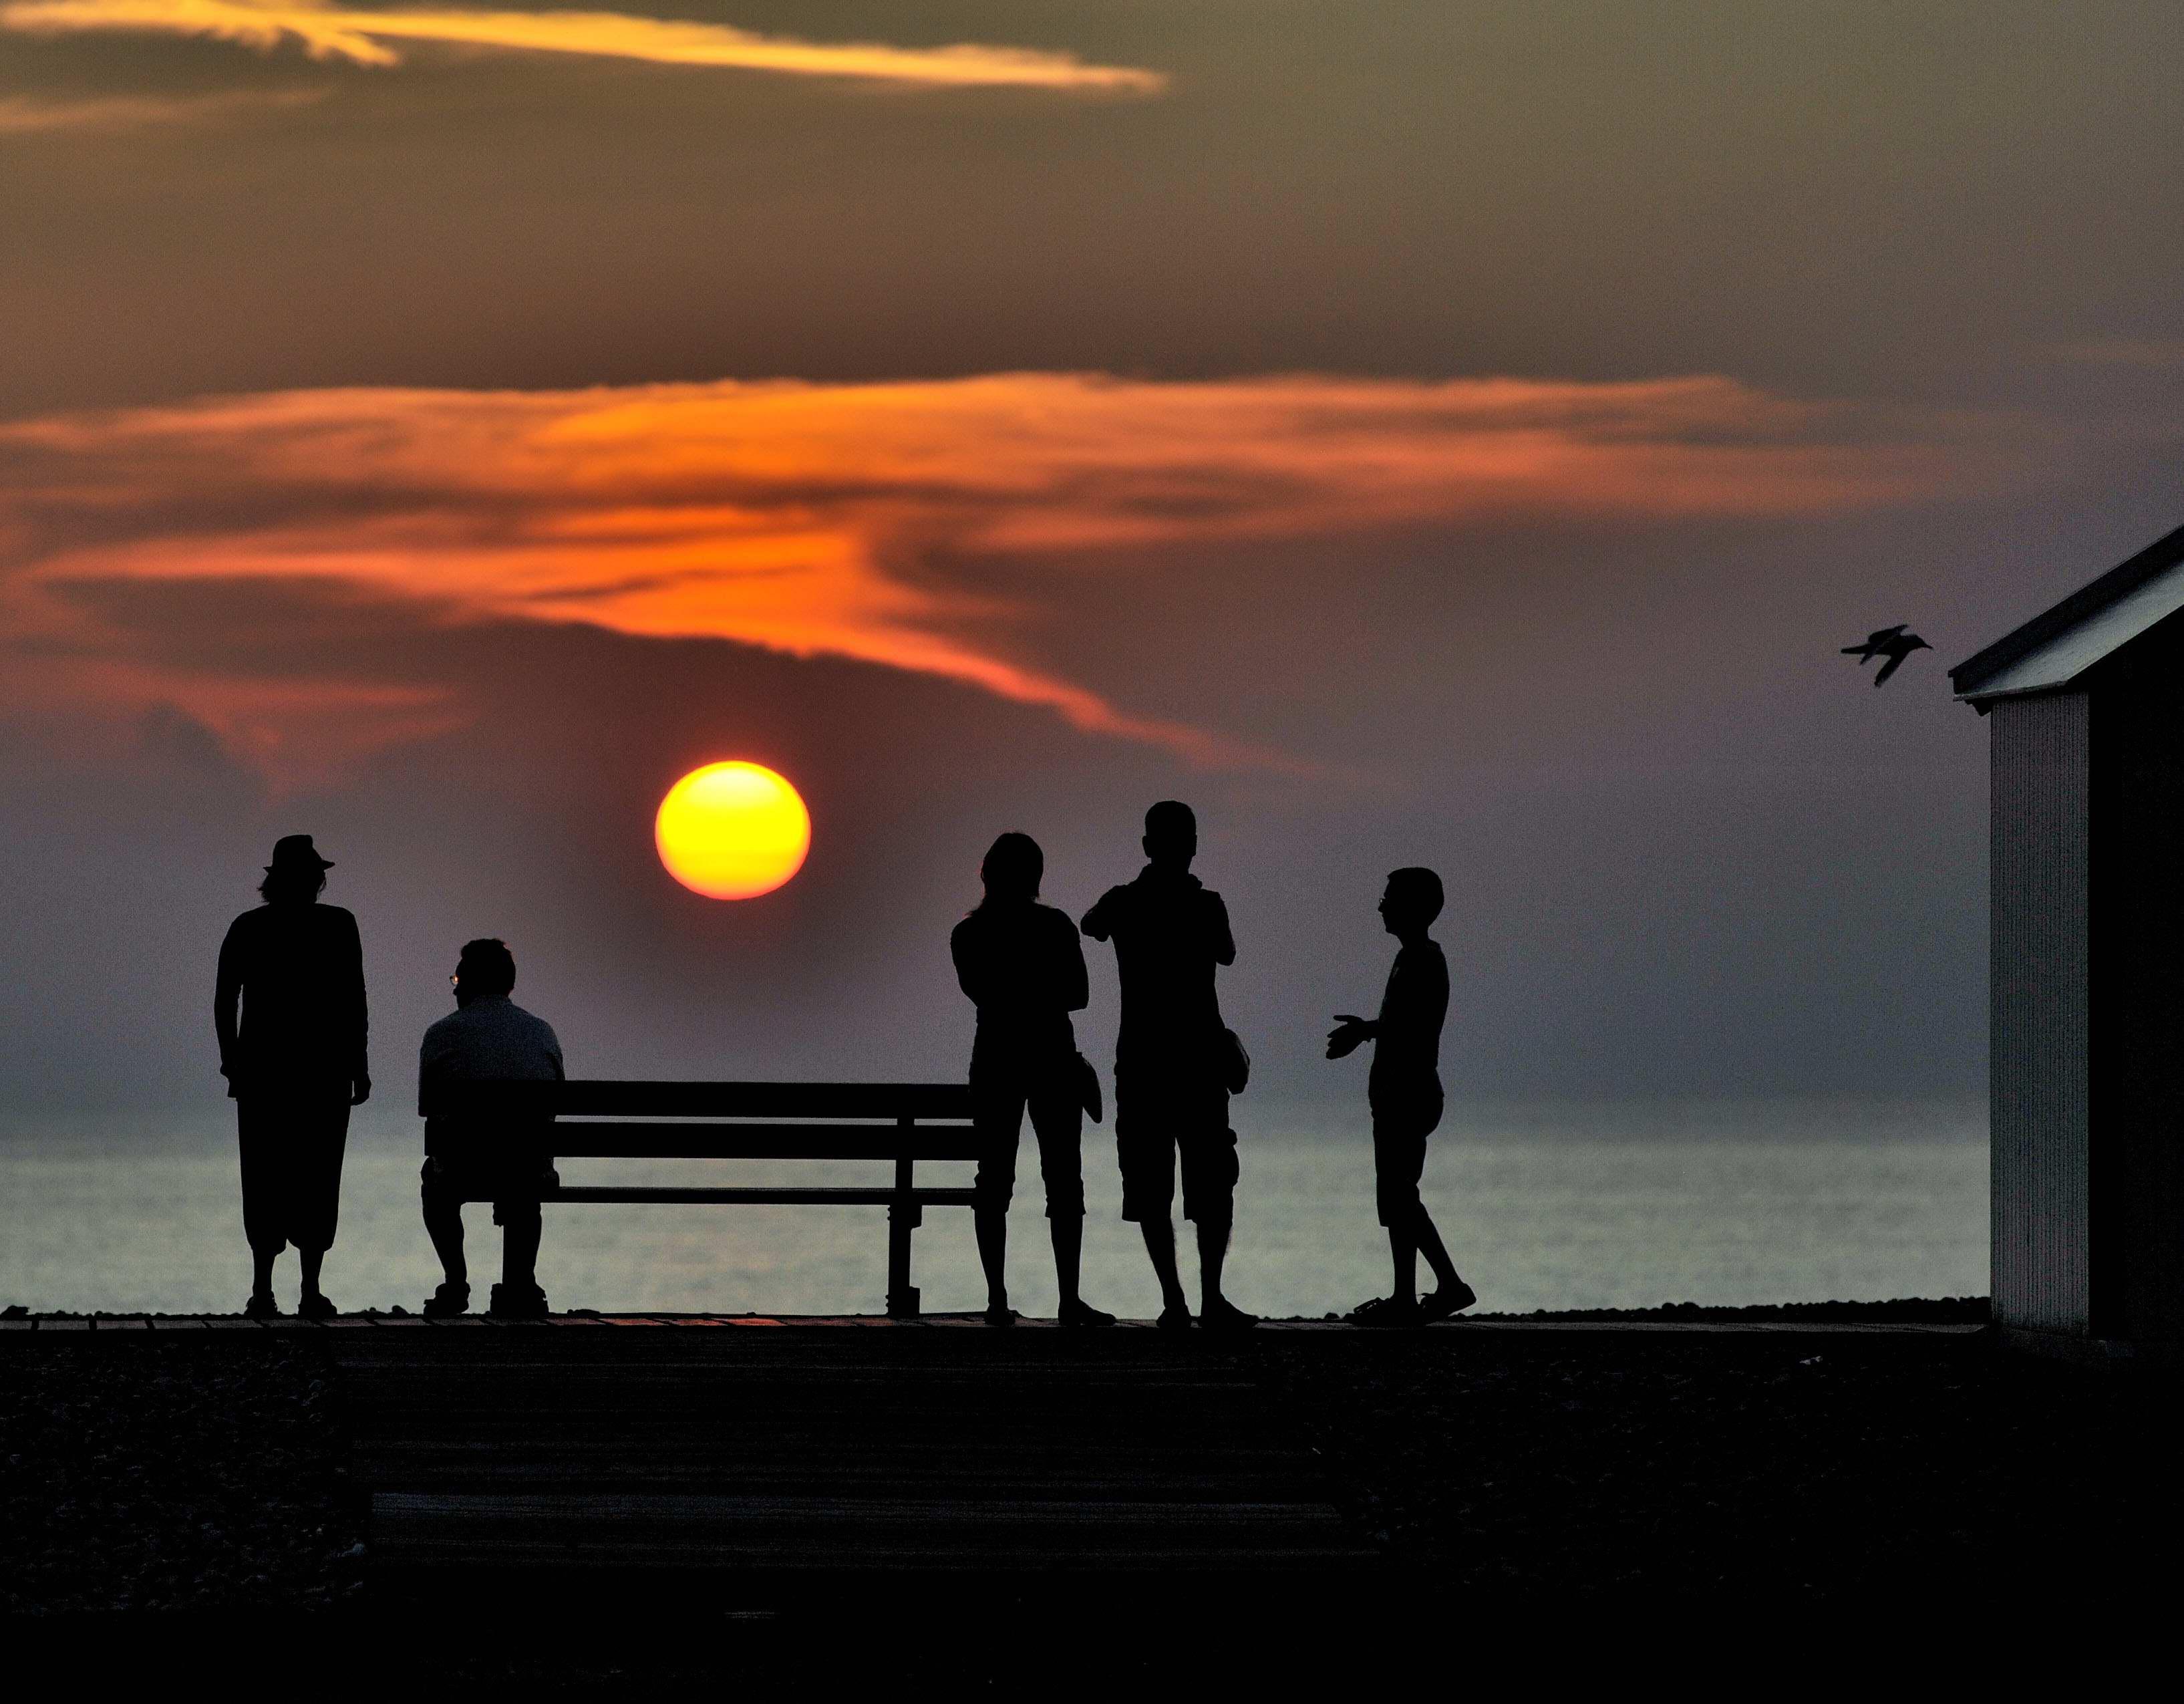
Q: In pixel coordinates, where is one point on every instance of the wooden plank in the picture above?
(631, 1139)
(50, 1324)
(18, 1325)
(595, 1098)
(353, 1322)
(121, 1322)
(827, 1196)
(628, 1320)
(654, 1529)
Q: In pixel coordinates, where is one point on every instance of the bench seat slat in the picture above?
(837, 1196)
(649, 1140)
(596, 1097)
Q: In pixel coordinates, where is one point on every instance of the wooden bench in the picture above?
(900, 1122)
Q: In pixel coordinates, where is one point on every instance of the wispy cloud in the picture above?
(362, 37)
(33, 115)
(916, 525)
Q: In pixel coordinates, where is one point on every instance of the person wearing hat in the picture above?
(288, 1008)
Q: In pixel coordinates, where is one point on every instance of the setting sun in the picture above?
(732, 830)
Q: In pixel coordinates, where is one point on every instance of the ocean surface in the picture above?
(1543, 1205)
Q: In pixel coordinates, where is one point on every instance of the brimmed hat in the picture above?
(296, 852)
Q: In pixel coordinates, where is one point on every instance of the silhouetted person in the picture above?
(508, 1161)
(294, 1059)
(1172, 1061)
(1023, 968)
(1892, 643)
(1405, 1092)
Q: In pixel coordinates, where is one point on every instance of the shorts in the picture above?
(1400, 1130)
(1161, 1118)
(999, 1099)
(513, 1184)
(292, 1141)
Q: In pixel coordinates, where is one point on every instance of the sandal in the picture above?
(999, 1316)
(1083, 1313)
(315, 1307)
(261, 1306)
(1174, 1320)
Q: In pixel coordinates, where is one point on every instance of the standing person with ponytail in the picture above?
(1021, 963)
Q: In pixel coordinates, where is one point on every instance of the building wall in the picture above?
(2040, 1082)
(2137, 962)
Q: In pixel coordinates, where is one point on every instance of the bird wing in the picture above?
(1895, 662)
(1880, 636)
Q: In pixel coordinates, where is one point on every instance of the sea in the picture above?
(1543, 1205)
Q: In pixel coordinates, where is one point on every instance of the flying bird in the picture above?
(1895, 643)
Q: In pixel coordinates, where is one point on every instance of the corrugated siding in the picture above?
(2041, 1082)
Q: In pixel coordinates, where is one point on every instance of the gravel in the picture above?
(173, 1475)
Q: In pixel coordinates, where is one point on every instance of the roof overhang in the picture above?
(2056, 647)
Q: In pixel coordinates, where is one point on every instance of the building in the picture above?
(2085, 704)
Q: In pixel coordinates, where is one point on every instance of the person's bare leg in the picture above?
(261, 1270)
(519, 1254)
(1403, 1247)
(1160, 1248)
(1212, 1254)
(1436, 1252)
(1066, 1230)
(443, 1224)
(992, 1227)
(312, 1260)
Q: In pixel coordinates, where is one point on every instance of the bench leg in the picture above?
(903, 1218)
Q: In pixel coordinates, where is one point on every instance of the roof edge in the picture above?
(2120, 581)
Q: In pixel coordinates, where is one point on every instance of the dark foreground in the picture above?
(257, 1493)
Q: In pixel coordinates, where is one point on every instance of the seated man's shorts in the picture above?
(1400, 1130)
(512, 1183)
(999, 1098)
(1160, 1120)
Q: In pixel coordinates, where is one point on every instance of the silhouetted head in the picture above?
(297, 875)
(486, 971)
(1172, 834)
(1013, 869)
(1412, 900)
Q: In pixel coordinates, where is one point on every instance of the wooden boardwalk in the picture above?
(681, 1464)
(766, 1455)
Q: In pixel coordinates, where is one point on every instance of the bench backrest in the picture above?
(595, 1118)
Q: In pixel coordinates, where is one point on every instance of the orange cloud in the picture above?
(34, 115)
(360, 38)
(833, 519)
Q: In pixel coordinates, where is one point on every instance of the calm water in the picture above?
(1543, 1207)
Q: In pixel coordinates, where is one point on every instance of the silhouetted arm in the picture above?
(433, 1053)
(350, 972)
(1075, 986)
(226, 1000)
(1416, 1005)
(971, 966)
(1219, 940)
(1100, 921)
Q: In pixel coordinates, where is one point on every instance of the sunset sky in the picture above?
(1422, 432)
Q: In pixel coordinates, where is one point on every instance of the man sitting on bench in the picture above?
(488, 1037)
